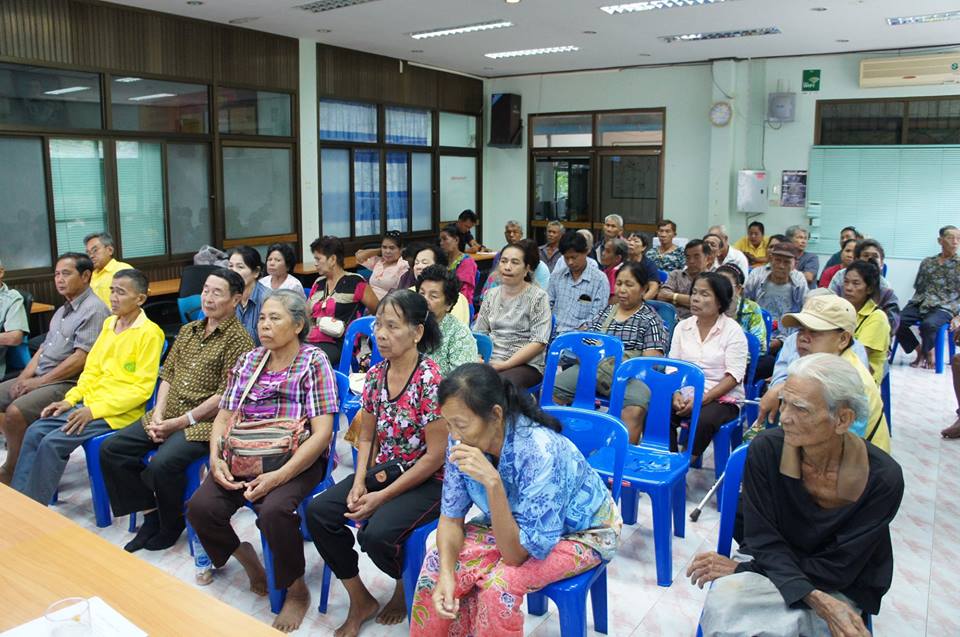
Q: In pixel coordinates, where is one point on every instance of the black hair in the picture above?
(757, 224)
(644, 237)
(286, 251)
(439, 257)
(531, 255)
(851, 229)
(413, 309)
(394, 235)
(234, 280)
(440, 274)
(870, 274)
(329, 247)
(451, 229)
(780, 238)
(575, 241)
(721, 287)
(468, 215)
(638, 271)
(140, 282)
(82, 262)
(667, 222)
(693, 243)
(869, 243)
(734, 270)
(844, 245)
(250, 257)
(481, 388)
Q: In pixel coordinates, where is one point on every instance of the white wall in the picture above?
(309, 152)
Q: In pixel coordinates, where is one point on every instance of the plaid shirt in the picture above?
(306, 389)
(574, 303)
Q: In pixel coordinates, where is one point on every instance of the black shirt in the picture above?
(800, 546)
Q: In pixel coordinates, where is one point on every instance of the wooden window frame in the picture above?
(905, 126)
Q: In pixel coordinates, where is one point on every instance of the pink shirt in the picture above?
(385, 278)
(723, 352)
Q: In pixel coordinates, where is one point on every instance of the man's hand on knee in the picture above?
(707, 567)
(841, 618)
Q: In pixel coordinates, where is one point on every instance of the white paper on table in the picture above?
(104, 622)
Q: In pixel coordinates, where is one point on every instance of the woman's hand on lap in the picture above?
(365, 506)
(444, 600)
(262, 485)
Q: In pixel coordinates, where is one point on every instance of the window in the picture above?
(257, 191)
(561, 188)
(934, 122)
(366, 193)
(140, 197)
(397, 191)
(249, 112)
(348, 121)
(335, 191)
(458, 185)
(79, 204)
(458, 131)
(188, 182)
(49, 98)
(921, 120)
(562, 130)
(630, 186)
(23, 204)
(421, 190)
(409, 126)
(142, 104)
(630, 129)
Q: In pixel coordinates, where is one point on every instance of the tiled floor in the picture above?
(926, 541)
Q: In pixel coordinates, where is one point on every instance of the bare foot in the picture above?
(361, 611)
(294, 608)
(396, 609)
(953, 431)
(918, 361)
(247, 557)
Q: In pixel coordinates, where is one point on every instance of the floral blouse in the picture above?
(553, 492)
(401, 422)
(457, 345)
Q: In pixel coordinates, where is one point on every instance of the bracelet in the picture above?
(190, 419)
(674, 298)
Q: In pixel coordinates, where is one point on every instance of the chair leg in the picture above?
(721, 449)
(660, 501)
(324, 590)
(598, 599)
(572, 608)
(629, 498)
(941, 350)
(277, 596)
(132, 526)
(679, 506)
(536, 603)
(98, 490)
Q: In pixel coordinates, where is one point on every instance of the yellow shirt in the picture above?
(120, 372)
(873, 332)
(100, 281)
(876, 421)
(759, 253)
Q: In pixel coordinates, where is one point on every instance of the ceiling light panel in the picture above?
(924, 19)
(329, 5)
(467, 28)
(653, 5)
(155, 96)
(69, 89)
(525, 52)
(719, 35)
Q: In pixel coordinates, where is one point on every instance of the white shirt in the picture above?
(290, 283)
(739, 259)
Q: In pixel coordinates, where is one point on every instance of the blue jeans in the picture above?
(45, 452)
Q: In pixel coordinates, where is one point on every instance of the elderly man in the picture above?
(53, 370)
(727, 253)
(550, 251)
(667, 256)
(754, 244)
(579, 290)
(778, 287)
(117, 379)
(612, 259)
(808, 264)
(100, 249)
(936, 299)
(815, 516)
(845, 235)
(193, 378)
(612, 229)
(679, 283)
(13, 321)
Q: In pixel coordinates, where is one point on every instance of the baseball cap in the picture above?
(822, 313)
(785, 249)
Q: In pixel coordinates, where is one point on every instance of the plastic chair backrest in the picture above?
(753, 347)
(18, 357)
(484, 346)
(593, 430)
(883, 273)
(730, 496)
(27, 301)
(668, 314)
(768, 322)
(662, 276)
(192, 278)
(189, 307)
(471, 313)
(358, 327)
(589, 348)
(663, 376)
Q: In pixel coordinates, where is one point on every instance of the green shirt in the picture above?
(457, 346)
(13, 317)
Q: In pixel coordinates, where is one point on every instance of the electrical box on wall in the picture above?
(752, 191)
(781, 106)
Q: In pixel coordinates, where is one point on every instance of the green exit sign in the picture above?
(811, 79)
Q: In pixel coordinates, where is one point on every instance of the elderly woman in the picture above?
(284, 379)
(457, 262)
(281, 260)
(545, 515)
(336, 298)
(817, 504)
(246, 262)
(639, 243)
(516, 315)
(402, 440)
(808, 264)
(715, 342)
(425, 256)
(612, 258)
(385, 263)
(641, 330)
(846, 258)
(457, 345)
(861, 286)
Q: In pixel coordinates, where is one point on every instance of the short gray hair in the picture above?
(588, 236)
(621, 248)
(793, 230)
(616, 218)
(296, 305)
(556, 224)
(105, 238)
(512, 223)
(842, 385)
(719, 230)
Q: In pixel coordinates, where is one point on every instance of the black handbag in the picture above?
(381, 476)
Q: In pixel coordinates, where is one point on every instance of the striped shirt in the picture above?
(574, 303)
(75, 325)
(514, 323)
(643, 330)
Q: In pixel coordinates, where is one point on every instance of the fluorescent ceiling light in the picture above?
(720, 35)
(924, 19)
(651, 5)
(329, 5)
(155, 96)
(468, 28)
(69, 89)
(128, 80)
(523, 52)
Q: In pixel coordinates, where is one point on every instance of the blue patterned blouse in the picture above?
(553, 493)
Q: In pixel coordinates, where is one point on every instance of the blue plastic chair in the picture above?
(589, 348)
(362, 326)
(730, 434)
(189, 307)
(651, 467)
(662, 276)
(943, 342)
(18, 357)
(535, 390)
(98, 490)
(590, 431)
(768, 323)
(887, 404)
(668, 314)
(484, 346)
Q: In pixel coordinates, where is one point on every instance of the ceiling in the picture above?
(383, 26)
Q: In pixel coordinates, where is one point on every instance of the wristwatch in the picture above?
(191, 419)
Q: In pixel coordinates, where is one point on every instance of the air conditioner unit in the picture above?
(910, 71)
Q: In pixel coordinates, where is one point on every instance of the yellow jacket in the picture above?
(120, 372)
(876, 421)
(100, 281)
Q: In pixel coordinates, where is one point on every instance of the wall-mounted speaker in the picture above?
(506, 127)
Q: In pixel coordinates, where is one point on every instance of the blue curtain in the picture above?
(408, 126)
(397, 191)
(348, 121)
(366, 192)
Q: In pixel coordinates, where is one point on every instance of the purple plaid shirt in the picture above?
(306, 389)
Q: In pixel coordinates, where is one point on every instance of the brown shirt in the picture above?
(197, 368)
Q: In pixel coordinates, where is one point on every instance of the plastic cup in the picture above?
(70, 617)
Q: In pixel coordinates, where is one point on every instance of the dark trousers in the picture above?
(381, 537)
(211, 507)
(332, 350)
(712, 416)
(523, 376)
(133, 486)
(930, 323)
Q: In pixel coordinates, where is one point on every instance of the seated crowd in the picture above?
(438, 432)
